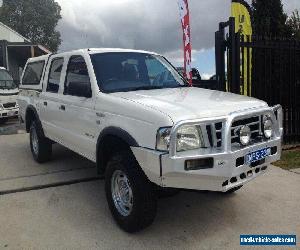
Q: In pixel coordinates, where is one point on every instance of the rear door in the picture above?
(79, 110)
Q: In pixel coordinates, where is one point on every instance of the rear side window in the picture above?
(33, 73)
(54, 75)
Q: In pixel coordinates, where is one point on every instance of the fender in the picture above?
(31, 108)
(116, 132)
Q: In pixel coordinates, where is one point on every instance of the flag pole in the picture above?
(185, 23)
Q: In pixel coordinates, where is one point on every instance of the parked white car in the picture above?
(132, 114)
(8, 96)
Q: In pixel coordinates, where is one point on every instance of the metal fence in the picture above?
(267, 68)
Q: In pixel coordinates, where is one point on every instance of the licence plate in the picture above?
(258, 155)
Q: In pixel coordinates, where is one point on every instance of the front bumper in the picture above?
(226, 172)
(9, 113)
(223, 176)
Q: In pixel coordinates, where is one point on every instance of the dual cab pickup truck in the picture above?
(8, 96)
(135, 116)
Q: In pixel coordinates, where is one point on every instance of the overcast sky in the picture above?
(145, 24)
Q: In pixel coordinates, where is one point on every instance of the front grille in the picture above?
(214, 134)
(9, 105)
(254, 124)
(219, 127)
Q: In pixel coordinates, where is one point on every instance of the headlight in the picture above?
(1, 106)
(245, 135)
(188, 138)
(268, 127)
(163, 139)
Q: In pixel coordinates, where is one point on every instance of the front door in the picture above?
(78, 108)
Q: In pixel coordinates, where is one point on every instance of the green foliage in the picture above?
(294, 24)
(34, 19)
(289, 159)
(269, 18)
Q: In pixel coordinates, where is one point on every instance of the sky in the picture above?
(152, 25)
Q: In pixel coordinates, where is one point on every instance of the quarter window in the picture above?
(33, 73)
(54, 75)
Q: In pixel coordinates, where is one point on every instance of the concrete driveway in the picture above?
(76, 216)
(12, 126)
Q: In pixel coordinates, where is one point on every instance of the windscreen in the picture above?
(6, 81)
(128, 71)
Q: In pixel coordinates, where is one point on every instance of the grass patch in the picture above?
(290, 159)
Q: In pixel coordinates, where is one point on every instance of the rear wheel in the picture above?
(130, 195)
(41, 147)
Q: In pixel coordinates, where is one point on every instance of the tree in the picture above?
(294, 24)
(34, 19)
(269, 18)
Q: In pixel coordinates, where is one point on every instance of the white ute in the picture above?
(8, 96)
(149, 133)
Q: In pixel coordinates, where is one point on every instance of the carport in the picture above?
(15, 54)
(15, 49)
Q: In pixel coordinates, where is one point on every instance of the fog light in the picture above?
(197, 164)
(245, 135)
(268, 127)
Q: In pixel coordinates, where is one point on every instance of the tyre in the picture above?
(3, 121)
(41, 147)
(233, 190)
(130, 195)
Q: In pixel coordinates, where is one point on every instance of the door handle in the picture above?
(62, 107)
(45, 103)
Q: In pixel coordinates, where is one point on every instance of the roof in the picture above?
(15, 39)
(91, 51)
(39, 58)
(7, 33)
(106, 50)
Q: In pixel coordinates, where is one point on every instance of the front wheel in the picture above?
(41, 147)
(130, 195)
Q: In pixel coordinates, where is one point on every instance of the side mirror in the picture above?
(81, 89)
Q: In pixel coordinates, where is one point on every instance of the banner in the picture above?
(241, 11)
(185, 22)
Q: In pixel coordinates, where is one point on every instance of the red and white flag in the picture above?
(185, 22)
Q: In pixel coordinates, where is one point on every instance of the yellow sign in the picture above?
(240, 10)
